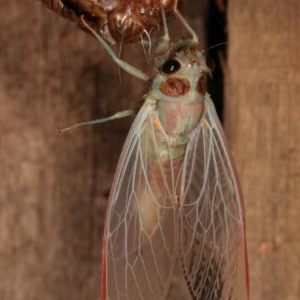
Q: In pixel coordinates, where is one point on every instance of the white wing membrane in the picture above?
(164, 241)
(211, 222)
(139, 242)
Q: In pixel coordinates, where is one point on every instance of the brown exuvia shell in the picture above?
(115, 20)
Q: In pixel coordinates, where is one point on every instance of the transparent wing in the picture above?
(139, 242)
(211, 219)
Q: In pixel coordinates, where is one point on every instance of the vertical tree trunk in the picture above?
(53, 188)
(262, 124)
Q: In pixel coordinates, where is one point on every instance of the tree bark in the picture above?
(263, 128)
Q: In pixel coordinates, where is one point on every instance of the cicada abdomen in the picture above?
(115, 20)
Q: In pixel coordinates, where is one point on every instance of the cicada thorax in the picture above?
(115, 20)
(180, 87)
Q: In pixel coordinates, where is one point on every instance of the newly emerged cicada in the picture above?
(175, 226)
(115, 20)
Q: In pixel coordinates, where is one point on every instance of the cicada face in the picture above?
(115, 20)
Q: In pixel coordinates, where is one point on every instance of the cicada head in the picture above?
(181, 73)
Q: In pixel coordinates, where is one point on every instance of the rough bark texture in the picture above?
(262, 124)
(54, 187)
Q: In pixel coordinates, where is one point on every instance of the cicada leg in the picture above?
(118, 115)
(186, 25)
(123, 64)
(163, 47)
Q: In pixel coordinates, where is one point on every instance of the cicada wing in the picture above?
(211, 221)
(139, 242)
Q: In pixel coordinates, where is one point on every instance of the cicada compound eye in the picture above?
(171, 66)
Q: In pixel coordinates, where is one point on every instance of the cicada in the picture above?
(175, 226)
(115, 20)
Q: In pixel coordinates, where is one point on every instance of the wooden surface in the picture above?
(263, 127)
(54, 187)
